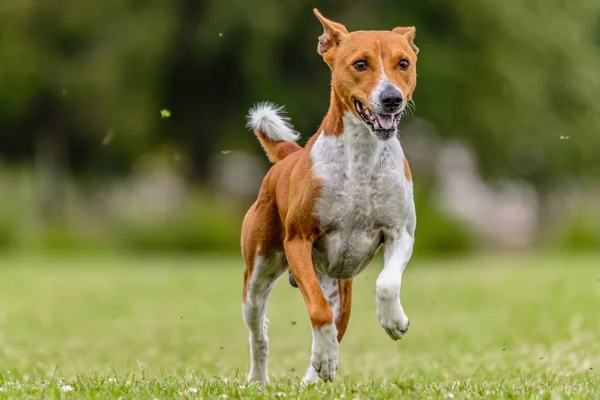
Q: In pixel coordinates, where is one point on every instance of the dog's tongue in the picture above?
(386, 120)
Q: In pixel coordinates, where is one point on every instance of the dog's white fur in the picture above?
(272, 120)
(254, 311)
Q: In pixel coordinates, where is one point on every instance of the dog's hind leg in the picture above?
(259, 279)
(339, 296)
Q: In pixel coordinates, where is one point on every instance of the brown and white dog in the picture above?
(323, 210)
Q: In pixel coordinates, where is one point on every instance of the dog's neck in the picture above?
(333, 122)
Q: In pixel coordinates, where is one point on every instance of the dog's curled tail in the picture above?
(273, 129)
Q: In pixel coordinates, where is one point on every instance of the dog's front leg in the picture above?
(397, 253)
(325, 347)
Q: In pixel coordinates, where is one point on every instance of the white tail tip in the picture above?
(271, 120)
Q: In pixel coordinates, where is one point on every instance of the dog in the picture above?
(323, 211)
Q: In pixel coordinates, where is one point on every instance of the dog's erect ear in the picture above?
(333, 33)
(409, 32)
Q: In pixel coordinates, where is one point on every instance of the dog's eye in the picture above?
(403, 64)
(360, 65)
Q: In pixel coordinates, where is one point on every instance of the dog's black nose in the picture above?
(391, 98)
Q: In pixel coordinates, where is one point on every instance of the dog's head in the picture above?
(374, 73)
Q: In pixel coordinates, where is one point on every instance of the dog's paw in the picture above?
(325, 364)
(259, 353)
(325, 351)
(392, 318)
(257, 378)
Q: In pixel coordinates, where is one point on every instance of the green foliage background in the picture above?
(83, 83)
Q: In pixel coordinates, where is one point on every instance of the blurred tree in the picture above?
(508, 78)
(75, 73)
(77, 78)
(516, 77)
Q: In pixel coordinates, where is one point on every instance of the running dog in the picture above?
(323, 210)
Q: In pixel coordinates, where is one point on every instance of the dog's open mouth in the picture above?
(382, 125)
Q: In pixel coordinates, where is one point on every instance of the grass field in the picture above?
(110, 327)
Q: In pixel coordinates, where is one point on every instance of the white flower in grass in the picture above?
(66, 388)
(280, 394)
(193, 390)
(448, 396)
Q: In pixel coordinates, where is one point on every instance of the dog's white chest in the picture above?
(364, 194)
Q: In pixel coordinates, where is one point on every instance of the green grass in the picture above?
(498, 327)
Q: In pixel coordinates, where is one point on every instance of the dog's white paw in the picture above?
(257, 378)
(325, 364)
(392, 318)
(325, 351)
